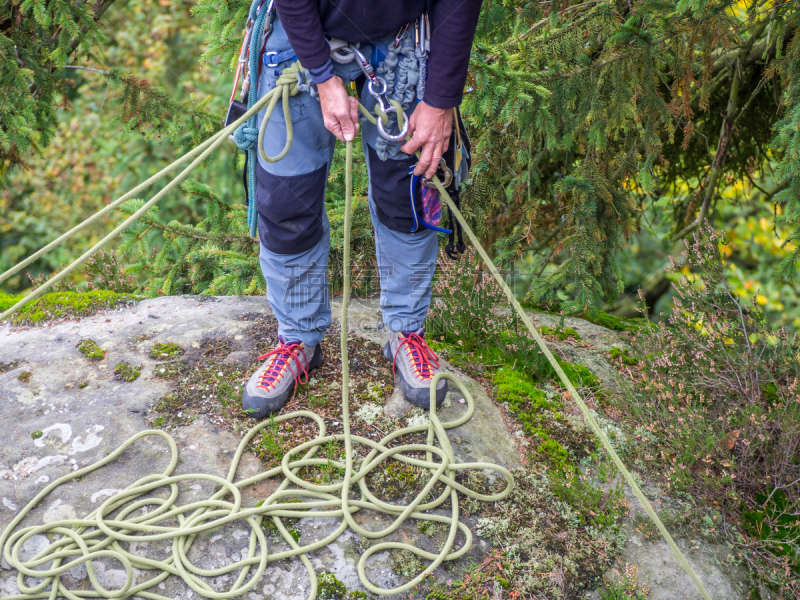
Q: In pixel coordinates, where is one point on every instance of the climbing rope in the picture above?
(101, 534)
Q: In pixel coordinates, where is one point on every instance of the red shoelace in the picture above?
(423, 359)
(283, 356)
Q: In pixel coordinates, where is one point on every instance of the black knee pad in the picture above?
(290, 210)
(391, 193)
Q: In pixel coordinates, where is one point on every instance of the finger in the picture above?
(411, 145)
(335, 128)
(354, 113)
(347, 125)
(437, 156)
(446, 144)
(424, 163)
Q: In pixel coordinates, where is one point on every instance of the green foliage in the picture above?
(602, 505)
(36, 434)
(625, 585)
(716, 400)
(611, 322)
(8, 300)
(578, 375)
(127, 372)
(60, 305)
(91, 350)
(25, 377)
(215, 256)
(586, 115)
(561, 333)
(470, 313)
(38, 39)
(623, 356)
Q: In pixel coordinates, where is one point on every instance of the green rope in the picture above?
(102, 533)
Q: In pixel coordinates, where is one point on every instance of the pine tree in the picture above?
(586, 117)
(38, 41)
(587, 114)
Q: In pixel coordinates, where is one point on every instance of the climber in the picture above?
(404, 43)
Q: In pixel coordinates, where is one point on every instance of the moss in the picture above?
(357, 595)
(579, 375)
(36, 434)
(83, 384)
(614, 323)
(165, 351)
(170, 370)
(330, 588)
(289, 522)
(536, 412)
(397, 480)
(25, 377)
(9, 366)
(561, 333)
(622, 355)
(8, 300)
(127, 372)
(555, 453)
(91, 350)
(61, 305)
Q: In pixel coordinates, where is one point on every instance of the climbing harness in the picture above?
(102, 533)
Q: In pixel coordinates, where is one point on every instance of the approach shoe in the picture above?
(416, 363)
(276, 380)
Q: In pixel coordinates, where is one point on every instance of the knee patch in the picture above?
(390, 191)
(290, 210)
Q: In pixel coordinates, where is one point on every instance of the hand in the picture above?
(430, 130)
(339, 111)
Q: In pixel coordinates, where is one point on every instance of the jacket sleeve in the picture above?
(453, 24)
(303, 26)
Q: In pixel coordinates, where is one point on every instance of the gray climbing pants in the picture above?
(293, 226)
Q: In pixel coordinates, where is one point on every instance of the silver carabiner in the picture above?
(401, 136)
(380, 97)
(248, 31)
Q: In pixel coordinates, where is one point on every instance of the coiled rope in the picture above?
(101, 534)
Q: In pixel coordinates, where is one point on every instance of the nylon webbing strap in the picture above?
(102, 533)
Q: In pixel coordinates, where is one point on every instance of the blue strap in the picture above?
(273, 59)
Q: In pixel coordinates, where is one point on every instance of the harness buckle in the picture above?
(270, 59)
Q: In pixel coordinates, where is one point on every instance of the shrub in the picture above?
(470, 312)
(719, 389)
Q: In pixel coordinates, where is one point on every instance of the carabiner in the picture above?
(401, 136)
(365, 65)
